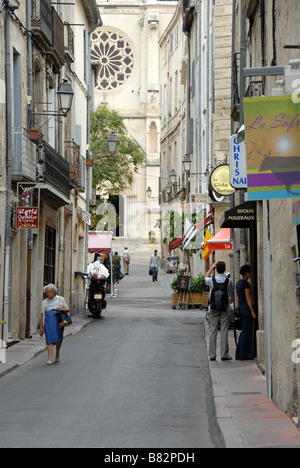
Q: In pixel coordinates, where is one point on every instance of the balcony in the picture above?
(53, 175)
(77, 165)
(48, 30)
(41, 23)
(24, 161)
(57, 52)
(69, 46)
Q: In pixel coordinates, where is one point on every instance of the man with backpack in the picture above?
(219, 286)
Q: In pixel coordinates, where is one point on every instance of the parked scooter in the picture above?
(96, 297)
(97, 274)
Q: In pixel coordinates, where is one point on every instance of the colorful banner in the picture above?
(206, 249)
(272, 129)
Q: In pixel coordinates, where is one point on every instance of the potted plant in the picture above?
(36, 136)
(199, 291)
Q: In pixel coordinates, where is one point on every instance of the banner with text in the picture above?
(272, 131)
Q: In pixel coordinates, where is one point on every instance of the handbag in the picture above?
(237, 319)
(64, 319)
(150, 272)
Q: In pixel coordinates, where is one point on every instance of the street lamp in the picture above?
(187, 163)
(168, 188)
(149, 192)
(112, 143)
(65, 95)
(172, 176)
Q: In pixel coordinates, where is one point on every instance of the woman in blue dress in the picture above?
(247, 314)
(54, 334)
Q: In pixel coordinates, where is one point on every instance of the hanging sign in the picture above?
(237, 163)
(219, 181)
(272, 130)
(27, 217)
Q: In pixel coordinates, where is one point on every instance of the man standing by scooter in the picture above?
(155, 263)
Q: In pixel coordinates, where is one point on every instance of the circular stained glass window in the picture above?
(112, 56)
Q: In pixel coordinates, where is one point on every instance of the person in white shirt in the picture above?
(155, 263)
(49, 322)
(126, 261)
(97, 267)
(219, 317)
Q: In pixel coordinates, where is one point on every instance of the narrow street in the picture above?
(137, 378)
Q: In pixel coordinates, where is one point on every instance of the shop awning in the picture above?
(200, 226)
(241, 216)
(221, 241)
(100, 242)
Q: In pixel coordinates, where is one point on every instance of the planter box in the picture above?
(36, 136)
(199, 299)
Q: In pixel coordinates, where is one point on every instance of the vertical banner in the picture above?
(206, 249)
(272, 130)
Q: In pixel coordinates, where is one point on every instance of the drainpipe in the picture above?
(29, 244)
(8, 173)
(242, 95)
(188, 110)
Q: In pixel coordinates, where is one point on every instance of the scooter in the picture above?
(96, 295)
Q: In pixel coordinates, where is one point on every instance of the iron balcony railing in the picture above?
(24, 158)
(54, 170)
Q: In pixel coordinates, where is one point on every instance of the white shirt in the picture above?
(50, 304)
(97, 268)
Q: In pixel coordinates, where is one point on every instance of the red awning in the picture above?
(205, 222)
(100, 242)
(221, 241)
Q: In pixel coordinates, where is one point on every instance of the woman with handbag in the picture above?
(247, 315)
(49, 321)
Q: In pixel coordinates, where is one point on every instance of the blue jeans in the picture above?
(155, 272)
(244, 347)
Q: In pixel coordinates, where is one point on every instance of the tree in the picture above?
(115, 173)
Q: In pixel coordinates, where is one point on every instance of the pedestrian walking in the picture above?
(247, 314)
(49, 321)
(220, 287)
(155, 263)
(126, 261)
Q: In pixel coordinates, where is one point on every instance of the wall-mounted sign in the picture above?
(237, 163)
(27, 217)
(220, 181)
(272, 130)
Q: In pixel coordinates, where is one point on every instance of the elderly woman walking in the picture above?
(54, 334)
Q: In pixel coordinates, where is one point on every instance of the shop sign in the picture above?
(220, 181)
(237, 163)
(27, 217)
(272, 131)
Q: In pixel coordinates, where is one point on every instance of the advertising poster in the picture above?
(272, 131)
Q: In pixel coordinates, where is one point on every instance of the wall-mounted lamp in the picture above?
(187, 162)
(112, 143)
(149, 192)
(65, 96)
(169, 188)
(173, 176)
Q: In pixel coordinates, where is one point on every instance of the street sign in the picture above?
(27, 217)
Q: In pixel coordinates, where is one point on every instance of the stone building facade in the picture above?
(43, 155)
(132, 88)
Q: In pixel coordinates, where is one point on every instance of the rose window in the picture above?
(112, 56)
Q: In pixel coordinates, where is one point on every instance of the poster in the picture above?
(272, 132)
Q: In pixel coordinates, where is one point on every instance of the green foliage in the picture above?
(114, 173)
(198, 284)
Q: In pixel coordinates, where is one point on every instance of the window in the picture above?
(49, 261)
